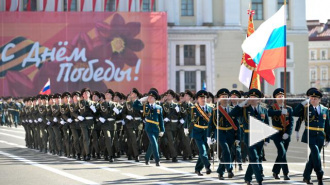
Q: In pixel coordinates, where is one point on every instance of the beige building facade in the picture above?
(319, 50)
(205, 37)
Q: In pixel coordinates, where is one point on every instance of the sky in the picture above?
(318, 10)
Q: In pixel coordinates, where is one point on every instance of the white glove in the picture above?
(284, 111)
(48, 123)
(143, 99)
(69, 120)
(62, 122)
(297, 135)
(243, 103)
(161, 134)
(116, 110)
(285, 136)
(102, 119)
(326, 143)
(181, 121)
(81, 118)
(177, 109)
(55, 119)
(39, 119)
(266, 143)
(129, 117)
(214, 141)
(30, 121)
(93, 108)
(209, 141)
(123, 122)
(186, 131)
(166, 120)
(35, 121)
(237, 142)
(305, 102)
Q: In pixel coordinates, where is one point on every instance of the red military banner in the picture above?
(99, 50)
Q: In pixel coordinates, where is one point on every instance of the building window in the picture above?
(177, 85)
(202, 53)
(73, 5)
(313, 74)
(33, 5)
(313, 55)
(177, 55)
(111, 6)
(288, 85)
(187, 7)
(324, 73)
(279, 5)
(189, 55)
(190, 80)
(146, 6)
(324, 55)
(288, 54)
(258, 7)
(203, 80)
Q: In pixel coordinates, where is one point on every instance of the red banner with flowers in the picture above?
(99, 50)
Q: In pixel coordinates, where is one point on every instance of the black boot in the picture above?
(208, 170)
(198, 173)
(307, 181)
(276, 176)
(111, 160)
(88, 158)
(78, 157)
(286, 177)
(230, 174)
(240, 168)
(137, 159)
(174, 160)
(221, 177)
(320, 180)
(98, 156)
(147, 162)
(158, 163)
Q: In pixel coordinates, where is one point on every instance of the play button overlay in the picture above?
(259, 131)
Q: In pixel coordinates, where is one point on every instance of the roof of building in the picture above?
(318, 31)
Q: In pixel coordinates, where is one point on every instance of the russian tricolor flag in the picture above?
(267, 45)
(46, 89)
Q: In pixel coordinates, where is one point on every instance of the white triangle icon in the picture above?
(259, 131)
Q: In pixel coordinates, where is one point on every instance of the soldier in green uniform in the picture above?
(56, 114)
(282, 121)
(108, 126)
(43, 123)
(171, 120)
(199, 116)
(225, 128)
(87, 109)
(118, 140)
(132, 120)
(49, 123)
(96, 132)
(65, 115)
(185, 107)
(317, 130)
(154, 124)
(74, 124)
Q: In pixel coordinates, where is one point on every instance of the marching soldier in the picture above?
(96, 132)
(317, 130)
(86, 109)
(132, 120)
(50, 123)
(154, 125)
(108, 126)
(171, 118)
(65, 115)
(74, 124)
(225, 127)
(118, 140)
(43, 123)
(199, 117)
(252, 108)
(236, 148)
(56, 113)
(282, 121)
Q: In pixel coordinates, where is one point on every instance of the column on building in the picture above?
(207, 12)
(232, 13)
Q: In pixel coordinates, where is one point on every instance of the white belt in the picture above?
(88, 118)
(137, 118)
(174, 120)
(118, 121)
(111, 119)
(76, 120)
(97, 119)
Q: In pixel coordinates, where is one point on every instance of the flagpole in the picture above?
(285, 58)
